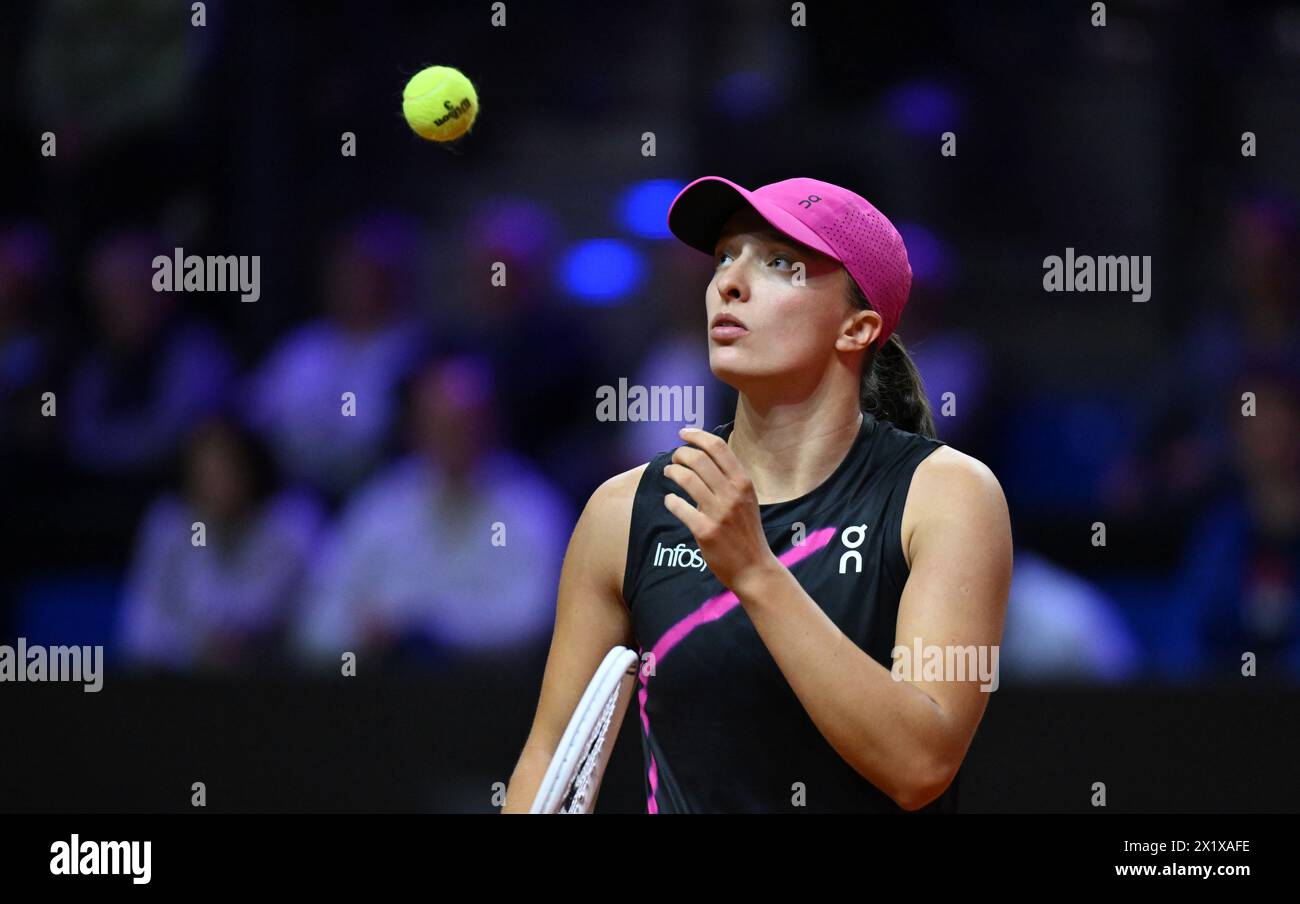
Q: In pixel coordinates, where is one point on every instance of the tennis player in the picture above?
(767, 570)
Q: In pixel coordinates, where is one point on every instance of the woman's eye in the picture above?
(723, 255)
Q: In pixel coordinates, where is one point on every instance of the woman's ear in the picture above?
(860, 330)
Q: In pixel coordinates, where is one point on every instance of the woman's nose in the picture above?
(733, 285)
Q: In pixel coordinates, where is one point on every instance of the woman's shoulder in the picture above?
(949, 485)
(946, 474)
(600, 538)
(613, 499)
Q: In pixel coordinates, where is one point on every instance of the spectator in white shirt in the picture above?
(456, 549)
(217, 567)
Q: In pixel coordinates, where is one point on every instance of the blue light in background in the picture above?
(928, 254)
(601, 272)
(924, 106)
(744, 94)
(643, 208)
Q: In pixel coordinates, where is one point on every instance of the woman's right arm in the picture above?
(591, 618)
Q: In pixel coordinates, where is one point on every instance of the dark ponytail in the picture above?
(892, 389)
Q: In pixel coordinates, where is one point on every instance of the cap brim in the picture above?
(703, 207)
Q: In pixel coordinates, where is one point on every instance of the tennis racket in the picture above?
(572, 779)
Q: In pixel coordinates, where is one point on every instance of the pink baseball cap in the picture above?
(825, 217)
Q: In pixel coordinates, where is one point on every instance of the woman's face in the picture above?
(786, 331)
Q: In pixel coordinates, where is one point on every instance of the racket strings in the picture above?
(576, 799)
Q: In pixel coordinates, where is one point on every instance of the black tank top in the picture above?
(721, 729)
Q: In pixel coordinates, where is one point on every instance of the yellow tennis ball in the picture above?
(439, 103)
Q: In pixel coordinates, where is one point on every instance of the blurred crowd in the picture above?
(352, 491)
(366, 486)
(380, 459)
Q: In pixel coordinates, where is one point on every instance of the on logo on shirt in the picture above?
(851, 553)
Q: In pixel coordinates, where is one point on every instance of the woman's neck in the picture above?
(790, 450)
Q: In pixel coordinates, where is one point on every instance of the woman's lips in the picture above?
(727, 327)
(727, 332)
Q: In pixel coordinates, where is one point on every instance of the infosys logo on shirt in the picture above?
(679, 556)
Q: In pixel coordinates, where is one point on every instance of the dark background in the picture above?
(1119, 660)
(406, 746)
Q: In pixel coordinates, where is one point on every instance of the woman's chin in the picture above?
(731, 371)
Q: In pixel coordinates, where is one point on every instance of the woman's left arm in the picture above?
(905, 735)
